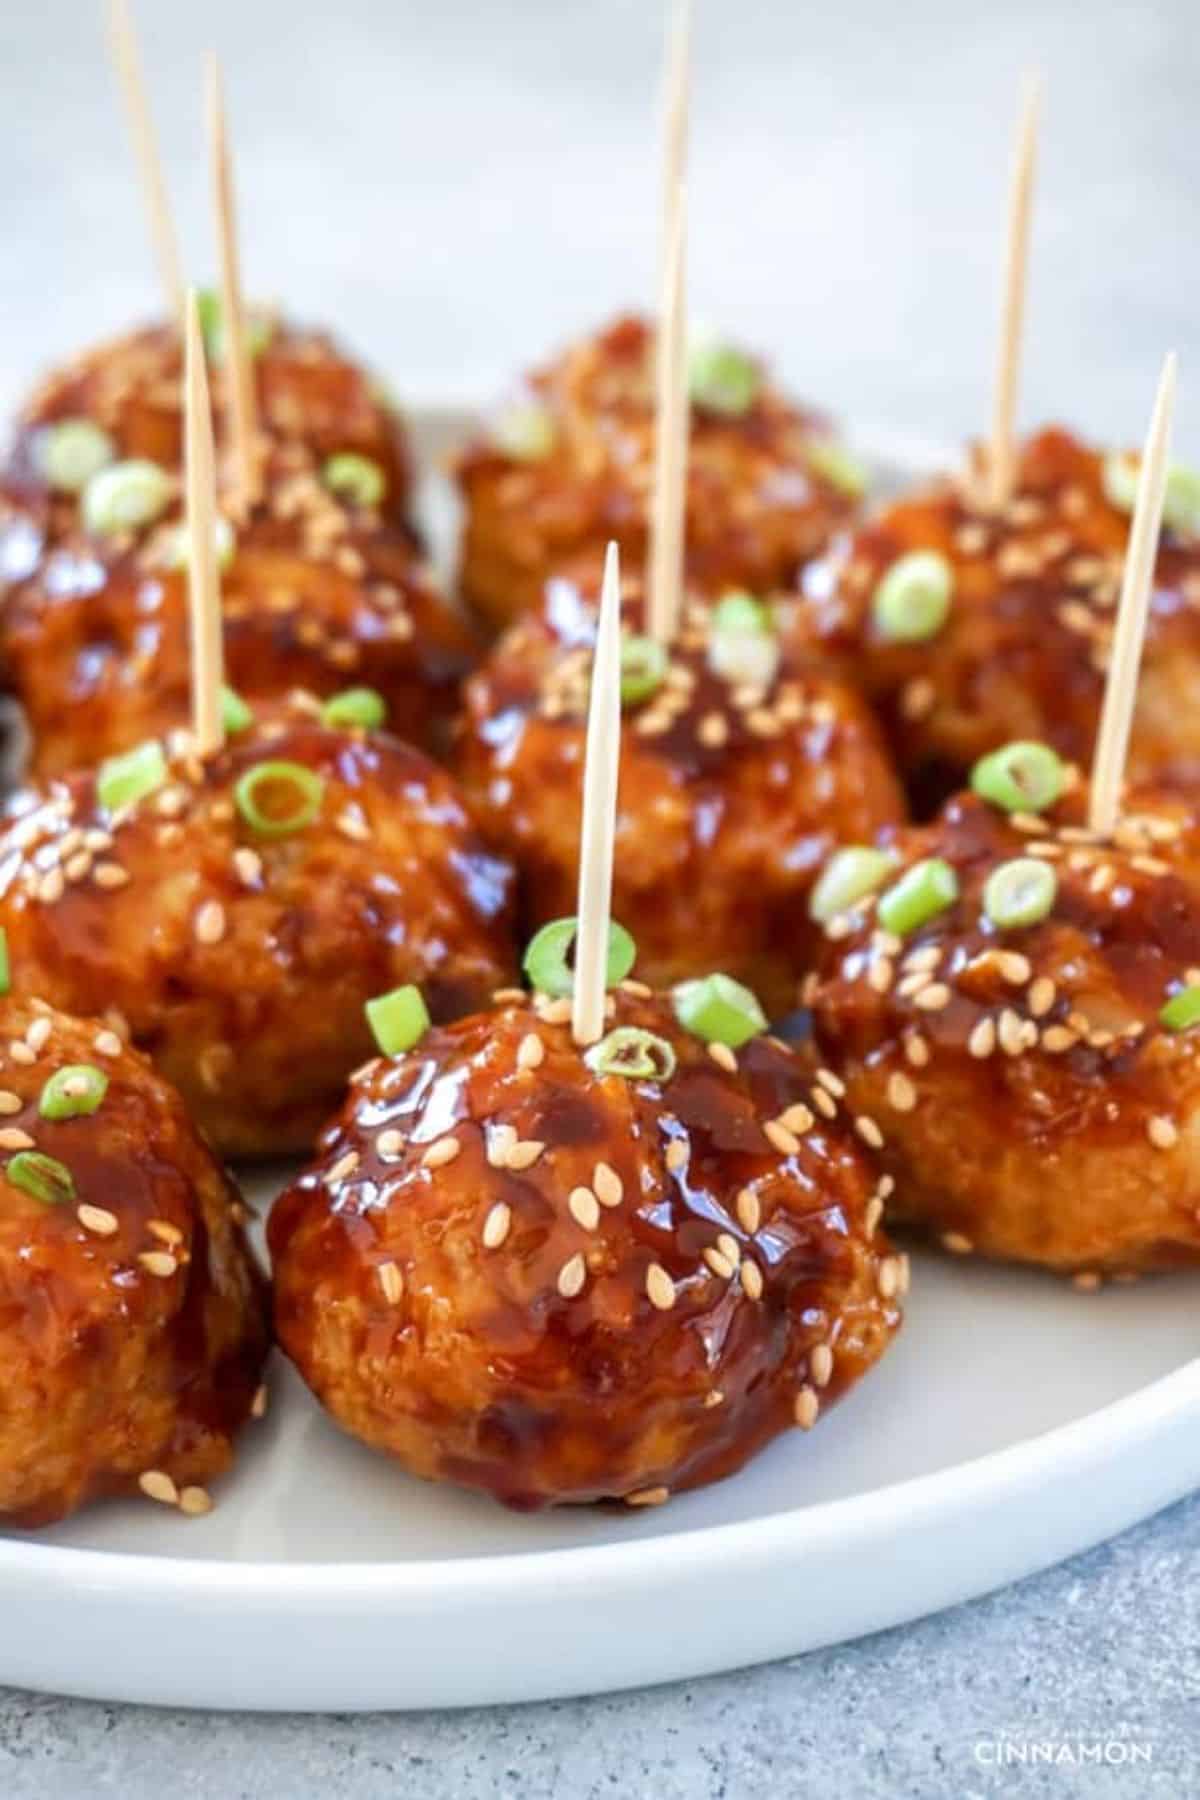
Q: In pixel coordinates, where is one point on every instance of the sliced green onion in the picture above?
(260, 328)
(643, 665)
(235, 714)
(354, 478)
(263, 793)
(398, 1020)
(73, 1091)
(71, 452)
(635, 1054)
(546, 964)
(742, 613)
(172, 548)
(125, 496)
(1020, 777)
(721, 379)
(1119, 478)
(742, 646)
(1182, 1010)
(834, 463)
(42, 1176)
(912, 599)
(848, 877)
(1019, 892)
(123, 780)
(526, 433)
(922, 892)
(719, 1010)
(5, 969)
(362, 706)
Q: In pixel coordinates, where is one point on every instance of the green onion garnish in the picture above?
(635, 1054)
(123, 780)
(399, 1019)
(73, 1091)
(354, 478)
(742, 646)
(1182, 1010)
(259, 327)
(277, 798)
(921, 893)
(1019, 892)
(526, 433)
(5, 969)
(834, 464)
(545, 961)
(125, 496)
(1020, 777)
(71, 452)
(912, 599)
(719, 1010)
(235, 714)
(741, 612)
(42, 1176)
(849, 876)
(360, 706)
(721, 379)
(643, 665)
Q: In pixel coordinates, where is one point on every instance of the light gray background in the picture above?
(460, 186)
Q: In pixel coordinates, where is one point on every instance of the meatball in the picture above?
(309, 394)
(1037, 1102)
(734, 788)
(561, 476)
(513, 1271)
(316, 594)
(1022, 650)
(240, 912)
(133, 1325)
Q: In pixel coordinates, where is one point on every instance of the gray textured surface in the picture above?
(460, 186)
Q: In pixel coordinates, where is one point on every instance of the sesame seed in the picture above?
(552, 1012)
(50, 887)
(752, 1281)
(391, 1281)
(572, 1276)
(729, 1247)
(1042, 995)
(933, 999)
(723, 1056)
(37, 1034)
(916, 1050)
(107, 1043)
(901, 1093)
(916, 983)
(342, 1168)
(1013, 967)
(1010, 1032)
(713, 1398)
(495, 1226)
(833, 1084)
(889, 1276)
(677, 1155)
(1163, 1133)
(97, 1219)
(820, 1364)
(195, 1501)
(247, 865)
(389, 1143)
(210, 923)
(12, 1138)
(258, 1406)
(651, 1496)
(749, 1210)
(720, 1265)
(660, 1289)
(531, 1052)
(352, 825)
(158, 1262)
(797, 1118)
(869, 1131)
(10, 1103)
(164, 1231)
(524, 1153)
(880, 975)
(509, 996)
(21, 1053)
(157, 1485)
(783, 1140)
(923, 960)
(584, 1208)
(806, 1408)
(956, 1243)
(1056, 1039)
(607, 1184)
(440, 1153)
(824, 1103)
(1087, 1281)
(873, 1215)
(109, 875)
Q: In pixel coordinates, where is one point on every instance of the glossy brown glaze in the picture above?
(731, 797)
(241, 962)
(94, 634)
(1033, 1107)
(758, 504)
(1024, 650)
(133, 1325)
(465, 1276)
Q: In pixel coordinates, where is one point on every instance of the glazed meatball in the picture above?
(133, 1325)
(1038, 1104)
(514, 1271)
(1029, 599)
(561, 475)
(734, 788)
(318, 592)
(242, 910)
(310, 395)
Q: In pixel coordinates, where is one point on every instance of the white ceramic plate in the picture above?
(1014, 1423)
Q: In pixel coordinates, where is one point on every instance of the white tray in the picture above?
(1014, 1423)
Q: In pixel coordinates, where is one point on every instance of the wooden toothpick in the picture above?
(128, 65)
(239, 368)
(672, 425)
(204, 594)
(675, 108)
(1001, 464)
(594, 907)
(1137, 586)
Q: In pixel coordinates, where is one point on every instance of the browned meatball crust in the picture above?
(242, 961)
(1023, 652)
(133, 1325)
(1034, 1107)
(731, 795)
(761, 499)
(512, 1273)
